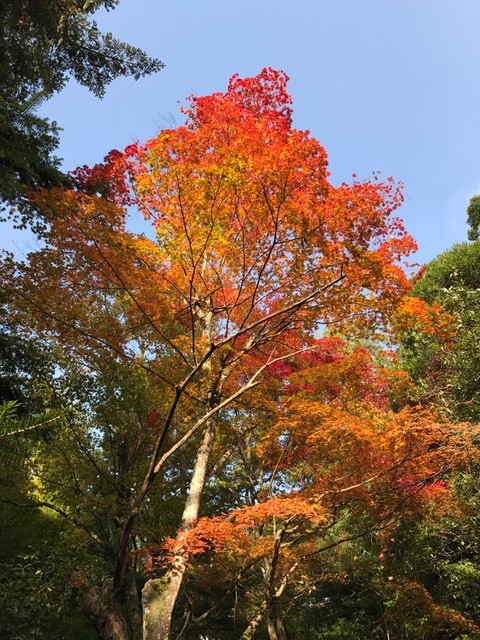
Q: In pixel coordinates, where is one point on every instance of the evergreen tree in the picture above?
(44, 43)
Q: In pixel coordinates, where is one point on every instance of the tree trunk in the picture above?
(250, 631)
(105, 615)
(158, 600)
(276, 630)
(133, 606)
(159, 595)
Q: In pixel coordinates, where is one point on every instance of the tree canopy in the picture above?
(217, 432)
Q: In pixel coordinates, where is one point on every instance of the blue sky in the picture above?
(390, 85)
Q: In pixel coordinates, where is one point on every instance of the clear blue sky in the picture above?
(390, 85)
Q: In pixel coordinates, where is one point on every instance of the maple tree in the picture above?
(252, 251)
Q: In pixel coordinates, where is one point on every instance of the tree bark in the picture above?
(276, 630)
(159, 595)
(268, 607)
(133, 606)
(250, 631)
(105, 615)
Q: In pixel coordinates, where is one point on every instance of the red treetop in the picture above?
(251, 240)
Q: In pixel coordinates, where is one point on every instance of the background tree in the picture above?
(43, 44)
(473, 217)
(35, 561)
(449, 371)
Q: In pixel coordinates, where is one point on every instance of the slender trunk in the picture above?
(276, 630)
(268, 607)
(158, 599)
(105, 615)
(250, 631)
(159, 595)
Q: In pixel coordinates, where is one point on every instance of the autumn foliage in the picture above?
(334, 452)
(251, 255)
(245, 221)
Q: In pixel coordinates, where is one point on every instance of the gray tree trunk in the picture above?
(250, 631)
(276, 630)
(159, 595)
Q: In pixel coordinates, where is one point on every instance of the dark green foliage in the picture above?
(450, 373)
(36, 555)
(35, 559)
(27, 143)
(26, 370)
(43, 43)
(443, 555)
(473, 212)
(36, 599)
